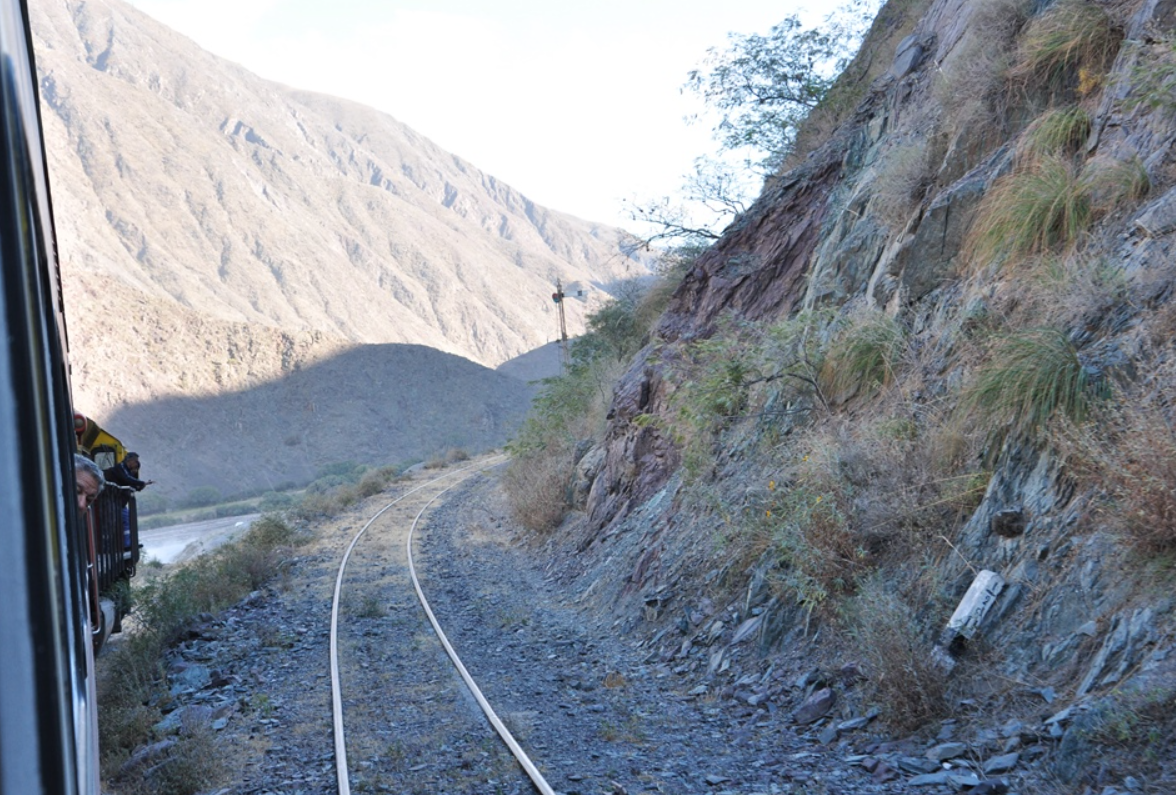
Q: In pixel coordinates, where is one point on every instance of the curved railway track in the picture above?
(370, 566)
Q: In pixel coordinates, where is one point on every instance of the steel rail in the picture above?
(341, 774)
(519, 754)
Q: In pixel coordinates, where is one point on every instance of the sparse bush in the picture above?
(275, 501)
(862, 356)
(235, 509)
(130, 676)
(1114, 184)
(571, 408)
(270, 532)
(1153, 79)
(341, 469)
(1029, 378)
(1128, 451)
(375, 481)
(1140, 725)
(319, 505)
(1074, 291)
(368, 607)
(447, 457)
(537, 484)
(903, 179)
(326, 483)
(903, 676)
(194, 764)
(817, 555)
(202, 497)
(149, 502)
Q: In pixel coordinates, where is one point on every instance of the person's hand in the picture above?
(148, 483)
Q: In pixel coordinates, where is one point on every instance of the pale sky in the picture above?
(576, 104)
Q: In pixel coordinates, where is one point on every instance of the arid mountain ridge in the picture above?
(218, 231)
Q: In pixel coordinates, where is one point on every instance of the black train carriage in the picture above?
(48, 726)
(112, 533)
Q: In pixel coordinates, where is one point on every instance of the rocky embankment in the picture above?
(694, 709)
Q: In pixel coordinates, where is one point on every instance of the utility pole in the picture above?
(558, 296)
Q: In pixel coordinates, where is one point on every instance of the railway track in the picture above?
(371, 657)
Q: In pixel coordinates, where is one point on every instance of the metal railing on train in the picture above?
(116, 531)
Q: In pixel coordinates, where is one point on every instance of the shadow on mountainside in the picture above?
(373, 404)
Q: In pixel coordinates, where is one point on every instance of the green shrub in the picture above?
(1030, 377)
(275, 501)
(1034, 210)
(235, 509)
(862, 356)
(341, 469)
(202, 497)
(1057, 132)
(326, 483)
(149, 502)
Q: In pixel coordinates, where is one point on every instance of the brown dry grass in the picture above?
(538, 486)
(1127, 452)
(1069, 46)
(903, 178)
(902, 675)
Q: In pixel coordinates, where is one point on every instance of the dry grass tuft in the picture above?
(1128, 452)
(1057, 132)
(903, 677)
(1072, 43)
(1029, 377)
(1042, 207)
(862, 356)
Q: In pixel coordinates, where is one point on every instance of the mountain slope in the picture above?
(186, 179)
(901, 445)
(371, 404)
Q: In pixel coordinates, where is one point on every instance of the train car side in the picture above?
(48, 736)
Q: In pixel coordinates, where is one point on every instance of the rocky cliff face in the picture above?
(186, 187)
(912, 213)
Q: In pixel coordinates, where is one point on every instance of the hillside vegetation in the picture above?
(940, 344)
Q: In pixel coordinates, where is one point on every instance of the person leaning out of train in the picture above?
(126, 473)
(89, 481)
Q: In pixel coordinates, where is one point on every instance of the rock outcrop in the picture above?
(884, 215)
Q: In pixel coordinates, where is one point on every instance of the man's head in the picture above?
(89, 481)
(132, 463)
